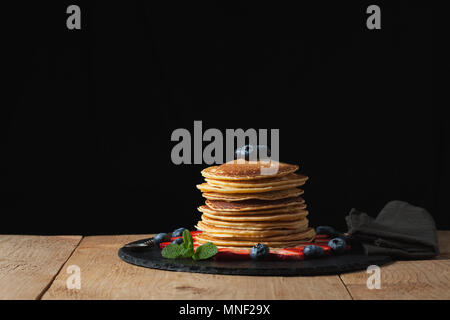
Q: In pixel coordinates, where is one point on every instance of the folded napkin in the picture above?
(400, 230)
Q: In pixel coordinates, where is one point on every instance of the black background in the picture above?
(85, 145)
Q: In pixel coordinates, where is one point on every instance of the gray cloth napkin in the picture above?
(400, 230)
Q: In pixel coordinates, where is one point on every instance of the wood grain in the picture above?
(404, 280)
(28, 264)
(105, 276)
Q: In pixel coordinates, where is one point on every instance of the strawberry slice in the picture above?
(232, 254)
(286, 254)
(162, 245)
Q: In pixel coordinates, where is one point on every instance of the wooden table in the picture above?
(36, 267)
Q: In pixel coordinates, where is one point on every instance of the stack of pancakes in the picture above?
(245, 207)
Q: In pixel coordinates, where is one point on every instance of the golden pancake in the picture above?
(289, 241)
(275, 195)
(205, 187)
(255, 225)
(269, 235)
(247, 234)
(252, 205)
(286, 210)
(248, 170)
(210, 226)
(259, 218)
(278, 181)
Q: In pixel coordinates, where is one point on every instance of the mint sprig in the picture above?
(186, 249)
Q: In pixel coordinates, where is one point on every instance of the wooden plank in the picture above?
(444, 244)
(105, 276)
(426, 279)
(28, 264)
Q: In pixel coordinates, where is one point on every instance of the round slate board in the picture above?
(151, 258)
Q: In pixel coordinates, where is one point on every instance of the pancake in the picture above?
(205, 187)
(246, 234)
(288, 241)
(286, 210)
(275, 195)
(269, 182)
(260, 218)
(252, 205)
(247, 170)
(255, 225)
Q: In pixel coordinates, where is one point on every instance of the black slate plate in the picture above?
(151, 258)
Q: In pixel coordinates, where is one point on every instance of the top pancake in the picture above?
(247, 170)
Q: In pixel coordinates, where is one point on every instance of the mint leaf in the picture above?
(205, 251)
(187, 252)
(188, 242)
(172, 251)
(188, 245)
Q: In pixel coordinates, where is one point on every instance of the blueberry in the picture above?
(259, 252)
(250, 152)
(161, 237)
(178, 241)
(329, 231)
(338, 245)
(178, 232)
(313, 251)
(243, 152)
